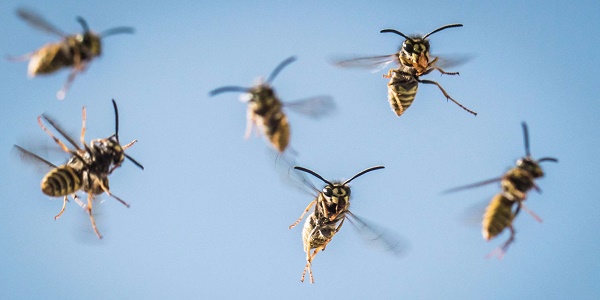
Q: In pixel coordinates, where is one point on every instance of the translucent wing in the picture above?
(373, 63)
(38, 22)
(389, 240)
(32, 157)
(451, 60)
(296, 179)
(472, 185)
(314, 107)
(60, 130)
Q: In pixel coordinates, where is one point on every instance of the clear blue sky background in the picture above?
(209, 214)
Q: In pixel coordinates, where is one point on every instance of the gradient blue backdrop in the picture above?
(209, 214)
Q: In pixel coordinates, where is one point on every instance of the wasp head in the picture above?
(531, 166)
(107, 154)
(90, 45)
(415, 53)
(337, 194)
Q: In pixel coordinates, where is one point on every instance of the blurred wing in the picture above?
(294, 178)
(38, 22)
(373, 63)
(60, 130)
(34, 158)
(314, 107)
(452, 60)
(389, 240)
(472, 185)
(472, 215)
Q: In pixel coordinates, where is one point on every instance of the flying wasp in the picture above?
(505, 206)
(414, 61)
(74, 51)
(265, 110)
(331, 208)
(87, 169)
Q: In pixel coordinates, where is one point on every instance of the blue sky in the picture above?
(209, 214)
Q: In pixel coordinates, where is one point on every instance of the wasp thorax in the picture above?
(531, 166)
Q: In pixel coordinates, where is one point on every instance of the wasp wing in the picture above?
(385, 238)
(294, 178)
(60, 130)
(472, 185)
(30, 156)
(373, 63)
(38, 22)
(314, 107)
(452, 60)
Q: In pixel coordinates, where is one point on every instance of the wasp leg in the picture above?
(83, 120)
(304, 213)
(389, 74)
(309, 259)
(62, 210)
(446, 94)
(60, 95)
(534, 215)
(129, 145)
(22, 57)
(105, 189)
(89, 209)
(501, 250)
(61, 144)
(250, 122)
(78, 201)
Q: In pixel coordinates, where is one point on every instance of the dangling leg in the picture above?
(304, 213)
(105, 189)
(446, 94)
(65, 200)
(83, 119)
(501, 250)
(89, 209)
(534, 215)
(60, 95)
(250, 122)
(309, 259)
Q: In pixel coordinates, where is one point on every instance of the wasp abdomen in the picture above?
(498, 216)
(402, 90)
(277, 130)
(61, 181)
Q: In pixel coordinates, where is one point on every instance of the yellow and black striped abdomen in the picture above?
(402, 90)
(276, 128)
(497, 217)
(61, 181)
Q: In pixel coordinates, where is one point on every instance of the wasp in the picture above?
(265, 109)
(87, 169)
(331, 208)
(413, 61)
(504, 206)
(74, 51)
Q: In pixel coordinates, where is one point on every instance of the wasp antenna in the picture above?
(117, 30)
(84, 24)
(313, 173)
(228, 89)
(116, 119)
(396, 32)
(442, 28)
(134, 161)
(363, 172)
(552, 159)
(526, 138)
(280, 67)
